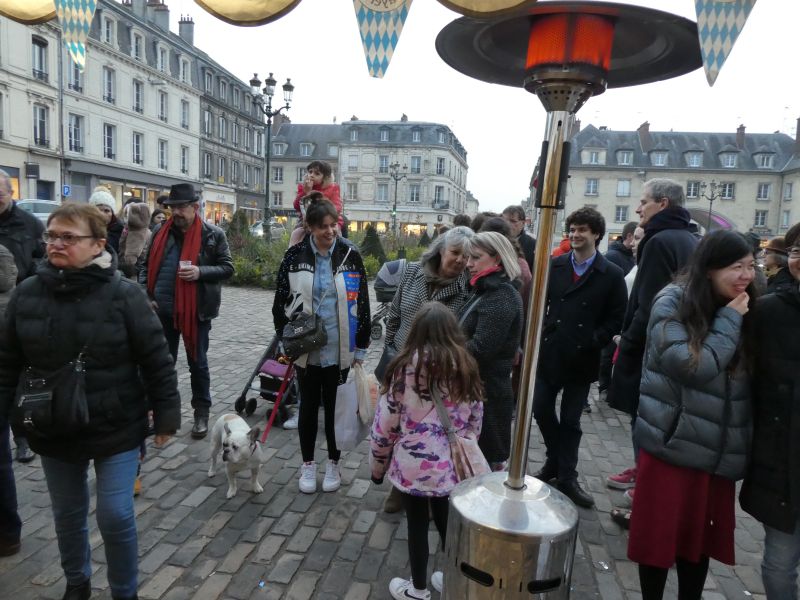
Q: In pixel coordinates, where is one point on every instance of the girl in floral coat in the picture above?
(408, 440)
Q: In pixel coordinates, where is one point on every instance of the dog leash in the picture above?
(278, 399)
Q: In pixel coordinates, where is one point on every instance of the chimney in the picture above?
(645, 140)
(137, 6)
(797, 140)
(186, 29)
(740, 137)
(161, 17)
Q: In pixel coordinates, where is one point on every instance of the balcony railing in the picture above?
(163, 118)
(441, 205)
(109, 99)
(75, 148)
(75, 87)
(138, 160)
(40, 75)
(110, 155)
(138, 109)
(41, 142)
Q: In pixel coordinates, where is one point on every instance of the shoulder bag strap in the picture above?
(444, 417)
(474, 303)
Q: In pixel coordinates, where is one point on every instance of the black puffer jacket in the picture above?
(621, 255)
(771, 490)
(215, 263)
(21, 233)
(128, 367)
(782, 281)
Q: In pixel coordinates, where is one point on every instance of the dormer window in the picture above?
(108, 31)
(416, 135)
(306, 149)
(384, 135)
(208, 82)
(764, 161)
(659, 159)
(163, 59)
(354, 135)
(625, 157)
(694, 159)
(279, 149)
(136, 46)
(441, 137)
(728, 160)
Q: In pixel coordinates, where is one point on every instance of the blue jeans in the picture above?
(10, 525)
(198, 368)
(69, 495)
(781, 559)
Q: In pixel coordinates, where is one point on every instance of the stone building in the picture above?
(755, 175)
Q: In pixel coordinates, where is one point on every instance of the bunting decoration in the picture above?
(28, 12)
(75, 18)
(719, 23)
(380, 23)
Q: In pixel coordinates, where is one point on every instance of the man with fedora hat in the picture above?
(776, 263)
(185, 265)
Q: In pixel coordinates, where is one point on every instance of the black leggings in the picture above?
(417, 518)
(691, 579)
(318, 386)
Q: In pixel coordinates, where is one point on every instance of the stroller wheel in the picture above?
(251, 406)
(239, 404)
(376, 332)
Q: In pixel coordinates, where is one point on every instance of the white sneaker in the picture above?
(437, 580)
(291, 422)
(403, 589)
(308, 477)
(333, 479)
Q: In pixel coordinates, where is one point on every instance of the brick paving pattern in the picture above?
(194, 543)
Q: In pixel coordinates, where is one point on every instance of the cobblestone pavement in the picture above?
(194, 543)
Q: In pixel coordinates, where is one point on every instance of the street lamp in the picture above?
(711, 196)
(263, 101)
(397, 175)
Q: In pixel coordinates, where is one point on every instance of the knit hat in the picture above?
(101, 196)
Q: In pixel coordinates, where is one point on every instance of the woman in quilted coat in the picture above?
(694, 421)
(408, 440)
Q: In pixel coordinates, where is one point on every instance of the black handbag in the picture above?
(53, 403)
(306, 332)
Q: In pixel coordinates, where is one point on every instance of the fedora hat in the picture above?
(181, 193)
(776, 244)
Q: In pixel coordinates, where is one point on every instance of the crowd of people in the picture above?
(687, 334)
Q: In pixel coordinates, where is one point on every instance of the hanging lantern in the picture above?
(483, 8)
(248, 12)
(28, 12)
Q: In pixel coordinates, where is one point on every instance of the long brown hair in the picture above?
(440, 346)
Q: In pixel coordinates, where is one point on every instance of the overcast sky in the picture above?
(319, 47)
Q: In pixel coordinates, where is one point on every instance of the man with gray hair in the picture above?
(663, 251)
(21, 233)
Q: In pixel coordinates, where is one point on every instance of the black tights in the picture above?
(417, 518)
(691, 579)
(318, 387)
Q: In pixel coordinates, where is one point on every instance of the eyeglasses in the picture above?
(793, 252)
(69, 239)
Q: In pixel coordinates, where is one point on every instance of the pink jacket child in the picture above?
(410, 443)
(330, 191)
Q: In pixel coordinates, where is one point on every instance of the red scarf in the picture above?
(184, 311)
(484, 273)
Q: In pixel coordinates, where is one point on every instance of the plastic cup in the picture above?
(185, 264)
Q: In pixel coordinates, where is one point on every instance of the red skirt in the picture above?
(680, 512)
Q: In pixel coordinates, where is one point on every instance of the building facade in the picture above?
(427, 190)
(30, 109)
(755, 176)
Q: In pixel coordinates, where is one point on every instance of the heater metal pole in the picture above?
(559, 124)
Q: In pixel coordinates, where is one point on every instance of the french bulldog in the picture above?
(240, 450)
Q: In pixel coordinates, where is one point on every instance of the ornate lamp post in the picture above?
(396, 175)
(711, 196)
(510, 535)
(264, 103)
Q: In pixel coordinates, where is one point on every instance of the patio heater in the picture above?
(510, 535)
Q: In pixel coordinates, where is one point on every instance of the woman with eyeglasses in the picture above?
(105, 203)
(770, 492)
(78, 304)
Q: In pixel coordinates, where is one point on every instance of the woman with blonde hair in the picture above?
(492, 322)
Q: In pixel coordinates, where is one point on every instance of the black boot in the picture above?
(24, 452)
(200, 428)
(80, 591)
(547, 473)
(574, 492)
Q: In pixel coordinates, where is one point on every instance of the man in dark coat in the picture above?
(515, 215)
(186, 263)
(776, 266)
(663, 251)
(620, 252)
(586, 299)
(771, 489)
(21, 233)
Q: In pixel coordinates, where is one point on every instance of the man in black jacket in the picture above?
(21, 233)
(663, 251)
(515, 216)
(771, 489)
(586, 300)
(186, 262)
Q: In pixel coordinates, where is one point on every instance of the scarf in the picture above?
(185, 305)
(673, 217)
(484, 273)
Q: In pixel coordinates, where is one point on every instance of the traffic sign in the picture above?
(66, 191)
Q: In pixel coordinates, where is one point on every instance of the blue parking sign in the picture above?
(66, 191)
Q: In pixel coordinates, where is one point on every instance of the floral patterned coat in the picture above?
(410, 443)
